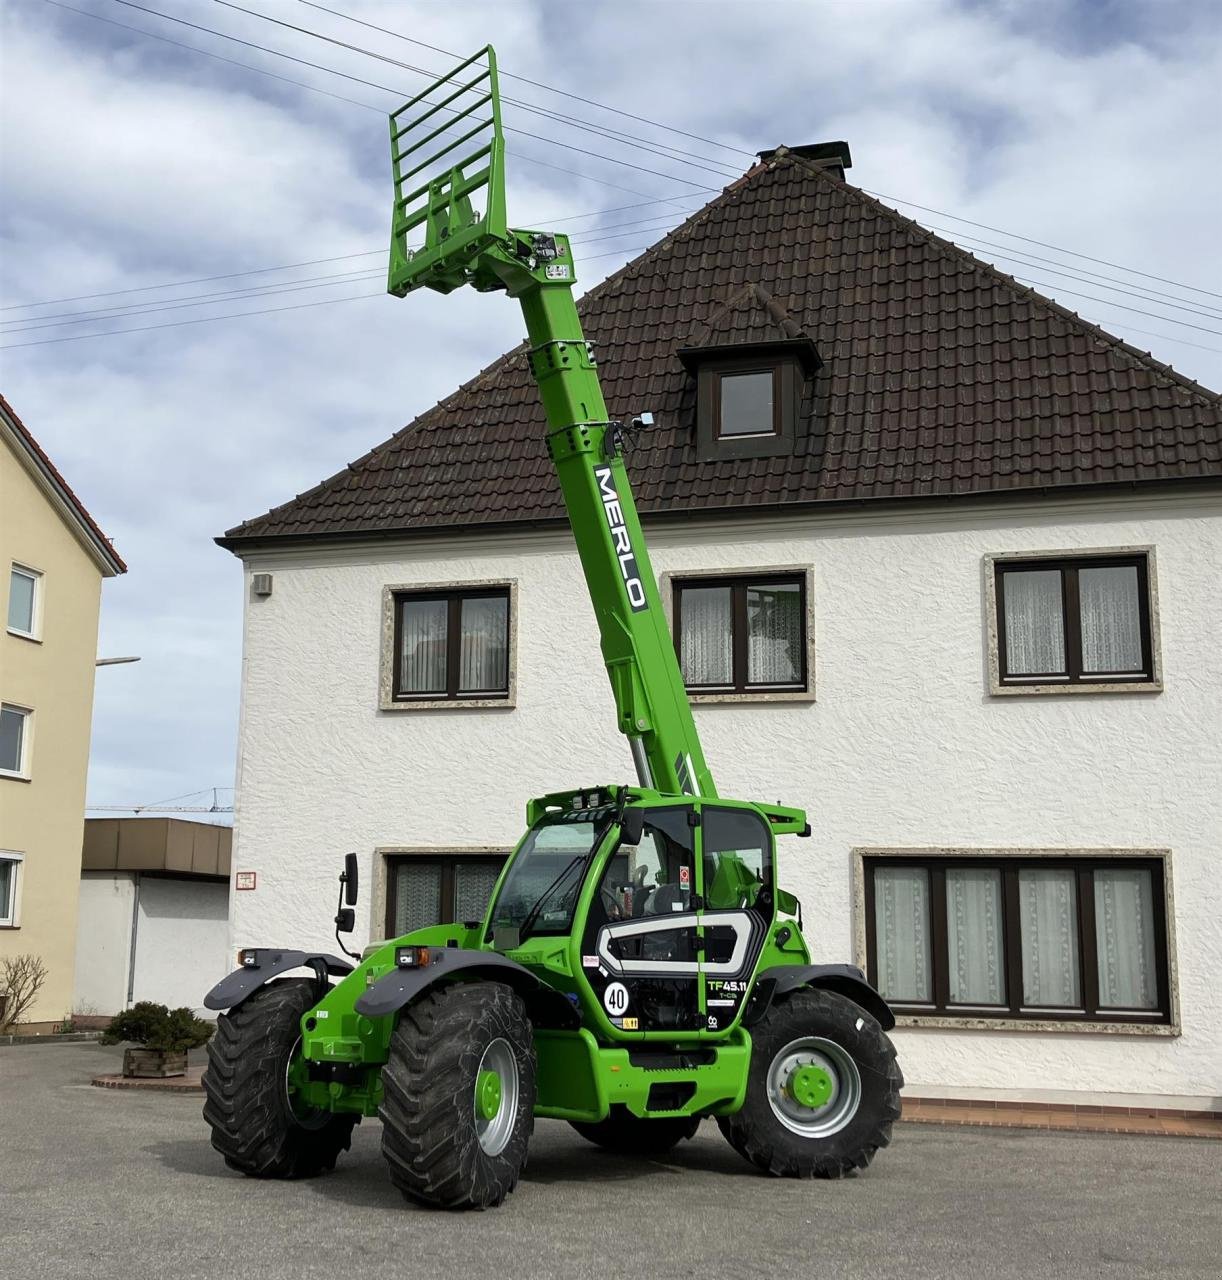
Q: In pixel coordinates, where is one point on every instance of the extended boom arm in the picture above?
(461, 113)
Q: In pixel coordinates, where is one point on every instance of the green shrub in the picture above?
(156, 1027)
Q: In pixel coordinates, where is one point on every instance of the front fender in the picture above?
(271, 962)
(398, 988)
(845, 979)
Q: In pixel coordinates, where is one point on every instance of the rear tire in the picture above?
(830, 1120)
(254, 1125)
(446, 1143)
(630, 1135)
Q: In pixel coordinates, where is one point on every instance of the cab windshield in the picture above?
(539, 893)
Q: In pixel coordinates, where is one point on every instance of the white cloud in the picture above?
(127, 162)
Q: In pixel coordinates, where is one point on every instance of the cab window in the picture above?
(736, 857)
(654, 877)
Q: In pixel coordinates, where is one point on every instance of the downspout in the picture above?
(131, 957)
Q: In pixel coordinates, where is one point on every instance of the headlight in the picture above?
(248, 958)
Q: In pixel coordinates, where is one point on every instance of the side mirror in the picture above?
(352, 880)
(632, 826)
(345, 920)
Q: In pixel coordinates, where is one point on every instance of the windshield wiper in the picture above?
(529, 918)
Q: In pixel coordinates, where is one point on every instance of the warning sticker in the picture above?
(631, 1024)
(685, 877)
(589, 962)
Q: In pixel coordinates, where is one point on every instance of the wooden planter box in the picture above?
(153, 1063)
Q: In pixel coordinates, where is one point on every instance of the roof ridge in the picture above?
(950, 249)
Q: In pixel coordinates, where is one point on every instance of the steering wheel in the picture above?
(613, 909)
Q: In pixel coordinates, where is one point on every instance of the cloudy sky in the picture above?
(132, 161)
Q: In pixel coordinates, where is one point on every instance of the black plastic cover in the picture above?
(844, 979)
(273, 961)
(401, 986)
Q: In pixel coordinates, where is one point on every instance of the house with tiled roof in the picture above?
(941, 562)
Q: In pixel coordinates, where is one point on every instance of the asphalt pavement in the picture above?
(116, 1185)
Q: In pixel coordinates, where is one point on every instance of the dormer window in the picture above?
(753, 366)
(748, 397)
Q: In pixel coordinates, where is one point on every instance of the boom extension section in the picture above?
(447, 149)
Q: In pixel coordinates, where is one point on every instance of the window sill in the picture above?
(13, 777)
(1162, 1029)
(997, 690)
(24, 635)
(451, 704)
(763, 695)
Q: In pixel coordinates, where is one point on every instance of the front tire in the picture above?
(630, 1135)
(823, 1089)
(249, 1104)
(458, 1097)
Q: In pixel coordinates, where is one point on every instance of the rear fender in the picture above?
(844, 979)
(398, 988)
(270, 963)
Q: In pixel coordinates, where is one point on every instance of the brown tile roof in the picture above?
(941, 377)
(86, 522)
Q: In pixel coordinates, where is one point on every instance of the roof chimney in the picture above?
(832, 156)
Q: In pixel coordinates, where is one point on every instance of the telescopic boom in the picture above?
(446, 151)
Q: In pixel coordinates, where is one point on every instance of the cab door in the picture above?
(737, 906)
(640, 946)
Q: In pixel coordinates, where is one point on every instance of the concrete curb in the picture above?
(68, 1037)
(190, 1083)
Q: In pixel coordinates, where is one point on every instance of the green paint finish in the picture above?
(811, 1086)
(488, 1094)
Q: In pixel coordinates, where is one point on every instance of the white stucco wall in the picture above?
(103, 942)
(182, 940)
(903, 746)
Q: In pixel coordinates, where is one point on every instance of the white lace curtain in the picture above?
(1124, 932)
(1035, 623)
(473, 885)
(417, 894)
(706, 636)
(1048, 921)
(483, 660)
(422, 646)
(1109, 609)
(901, 930)
(974, 935)
(774, 634)
(1111, 621)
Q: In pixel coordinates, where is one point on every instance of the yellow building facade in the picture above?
(53, 558)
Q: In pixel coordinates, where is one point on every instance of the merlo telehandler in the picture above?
(639, 967)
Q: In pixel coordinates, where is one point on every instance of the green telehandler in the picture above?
(639, 967)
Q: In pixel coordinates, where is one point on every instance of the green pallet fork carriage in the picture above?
(639, 967)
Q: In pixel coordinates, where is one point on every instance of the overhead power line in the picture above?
(1044, 244)
(604, 106)
(148, 306)
(550, 88)
(1099, 280)
(553, 142)
(233, 315)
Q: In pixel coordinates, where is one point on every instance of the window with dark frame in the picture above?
(1080, 620)
(1053, 939)
(427, 889)
(742, 634)
(747, 402)
(451, 645)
